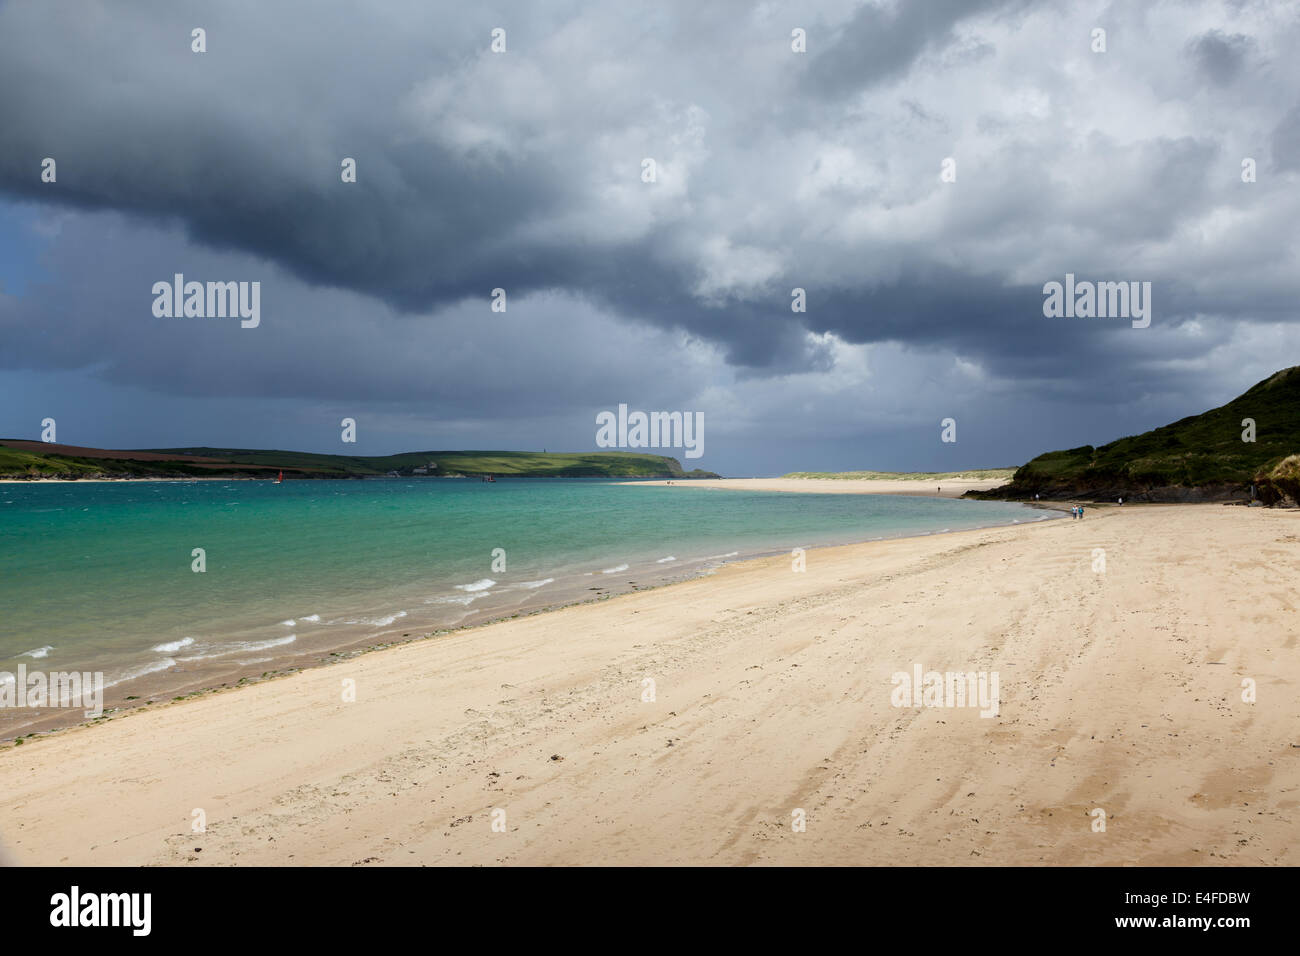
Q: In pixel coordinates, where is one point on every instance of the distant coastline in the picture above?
(23, 459)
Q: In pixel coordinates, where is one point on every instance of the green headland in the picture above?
(34, 459)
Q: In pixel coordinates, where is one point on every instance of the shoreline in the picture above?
(153, 689)
(773, 692)
(215, 674)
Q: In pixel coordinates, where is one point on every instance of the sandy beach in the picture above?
(945, 488)
(1119, 690)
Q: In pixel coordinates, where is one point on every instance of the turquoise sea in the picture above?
(99, 576)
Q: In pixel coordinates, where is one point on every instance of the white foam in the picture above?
(240, 647)
(482, 585)
(667, 559)
(289, 623)
(313, 618)
(38, 653)
(173, 646)
(150, 668)
(621, 567)
(378, 621)
(535, 584)
(462, 599)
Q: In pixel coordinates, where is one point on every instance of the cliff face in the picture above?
(1280, 484)
(1215, 456)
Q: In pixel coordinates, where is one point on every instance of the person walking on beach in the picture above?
(1080, 512)
(1074, 512)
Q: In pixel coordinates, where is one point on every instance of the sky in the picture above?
(919, 170)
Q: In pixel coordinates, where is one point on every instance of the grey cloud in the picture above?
(1286, 142)
(882, 41)
(1221, 56)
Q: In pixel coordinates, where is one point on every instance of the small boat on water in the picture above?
(489, 478)
(280, 480)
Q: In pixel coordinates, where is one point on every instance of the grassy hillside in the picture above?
(27, 463)
(30, 462)
(15, 463)
(1199, 456)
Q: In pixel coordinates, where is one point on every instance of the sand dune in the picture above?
(1119, 690)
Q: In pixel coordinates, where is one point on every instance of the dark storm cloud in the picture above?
(243, 143)
(522, 171)
(314, 343)
(247, 164)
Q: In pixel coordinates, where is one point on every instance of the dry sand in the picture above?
(1119, 690)
(951, 487)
